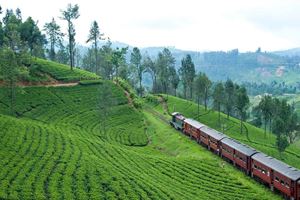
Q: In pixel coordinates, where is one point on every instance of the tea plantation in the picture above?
(53, 148)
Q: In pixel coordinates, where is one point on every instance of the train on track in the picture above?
(265, 169)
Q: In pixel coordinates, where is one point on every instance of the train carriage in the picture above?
(214, 138)
(277, 174)
(177, 120)
(238, 153)
(192, 128)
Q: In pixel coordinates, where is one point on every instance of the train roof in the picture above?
(194, 123)
(213, 133)
(239, 146)
(278, 166)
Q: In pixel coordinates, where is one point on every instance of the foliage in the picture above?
(71, 13)
(187, 72)
(54, 37)
(135, 60)
(93, 37)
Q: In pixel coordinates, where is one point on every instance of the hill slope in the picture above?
(54, 149)
(255, 136)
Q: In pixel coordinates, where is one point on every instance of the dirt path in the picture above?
(46, 84)
(165, 105)
(61, 84)
(129, 98)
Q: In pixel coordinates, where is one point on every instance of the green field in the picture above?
(255, 138)
(53, 149)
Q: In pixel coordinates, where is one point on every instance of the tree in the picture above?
(281, 143)
(293, 127)
(151, 68)
(118, 58)
(202, 85)
(229, 93)
(32, 36)
(218, 98)
(54, 37)
(242, 103)
(164, 62)
(11, 32)
(71, 13)
(105, 104)
(94, 36)
(9, 68)
(265, 107)
(188, 73)
(135, 60)
(174, 79)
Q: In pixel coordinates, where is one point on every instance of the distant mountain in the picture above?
(288, 52)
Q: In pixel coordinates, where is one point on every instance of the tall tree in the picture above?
(265, 106)
(70, 14)
(135, 60)
(31, 34)
(54, 37)
(11, 32)
(118, 59)
(165, 61)
(151, 68)
(229, 94)
(202, 85)
(174, 79)
(218, 98)
(188, 73)
(9, 70)
(94, 36)
(242, 104)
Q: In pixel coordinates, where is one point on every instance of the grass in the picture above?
(232, 129)
(53, 149)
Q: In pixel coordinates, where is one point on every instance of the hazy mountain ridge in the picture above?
(258, 67)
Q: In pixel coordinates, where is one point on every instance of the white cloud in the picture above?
(189, 24)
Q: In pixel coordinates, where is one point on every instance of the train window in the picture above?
(287, 185)
(282, 182)
(268, 173)
(255, 166)
(277, 179)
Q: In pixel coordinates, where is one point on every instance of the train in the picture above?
(278, 176)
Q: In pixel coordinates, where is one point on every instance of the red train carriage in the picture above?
(277, 174)
(240, 154)
(214, 137)
(192, 128)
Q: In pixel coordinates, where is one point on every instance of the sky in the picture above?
(199, 25)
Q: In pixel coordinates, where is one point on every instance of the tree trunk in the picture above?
(191, 92)
(219, 109)
(205, 100)
(70, 47)
(241, 125)
(175, 92)
(198, 105)
(140, 89)
(265, 133)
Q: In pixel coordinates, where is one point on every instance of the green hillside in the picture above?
(54, 149)
(255, 137)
